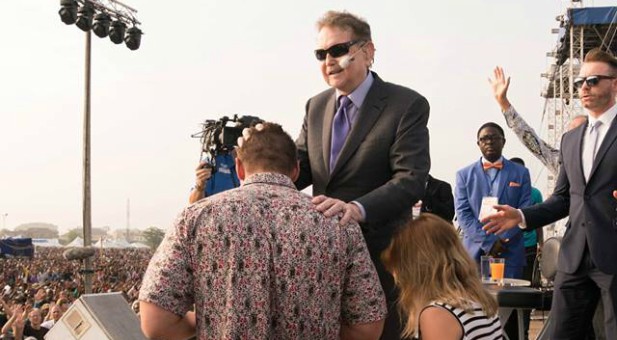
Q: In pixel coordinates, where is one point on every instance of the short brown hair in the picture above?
(268, 149)
(345, 20)
(597, 55)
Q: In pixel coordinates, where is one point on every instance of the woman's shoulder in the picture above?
(471, 320)
(438, 321)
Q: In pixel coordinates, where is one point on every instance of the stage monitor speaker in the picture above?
(98, 317)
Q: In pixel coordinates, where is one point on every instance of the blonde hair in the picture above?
(429, 264)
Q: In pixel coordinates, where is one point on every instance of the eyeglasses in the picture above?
(490, 138)
(590, 81)
(335, 51)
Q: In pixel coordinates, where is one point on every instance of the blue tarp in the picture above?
(16, 247)
(593, 16)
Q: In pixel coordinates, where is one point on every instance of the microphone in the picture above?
(347, 59)
(78, 253)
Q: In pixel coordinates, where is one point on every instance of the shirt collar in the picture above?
(484, 160)
(358, 95)
(269, 178)
(606, 118)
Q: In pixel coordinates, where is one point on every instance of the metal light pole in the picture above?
(87, 204)
(125, 15)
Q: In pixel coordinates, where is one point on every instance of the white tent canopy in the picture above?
(105, 243)
(77, 242)
(46, 242)
(138, 245)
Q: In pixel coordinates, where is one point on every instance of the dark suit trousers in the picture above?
(575, 298)
(392, 328)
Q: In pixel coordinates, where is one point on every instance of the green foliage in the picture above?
(153, 236)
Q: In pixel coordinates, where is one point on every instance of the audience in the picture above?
(37, 291)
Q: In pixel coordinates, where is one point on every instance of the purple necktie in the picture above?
(340, 129)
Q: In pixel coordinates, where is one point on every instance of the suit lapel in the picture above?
(326, 133)
(481, 183)
(578, 150)
(502, 181)
(368, 114)
(610, 137)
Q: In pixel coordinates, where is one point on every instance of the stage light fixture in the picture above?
(116, 33)
(85, 15)
(133, 38)
(68, 12)
(101, 25)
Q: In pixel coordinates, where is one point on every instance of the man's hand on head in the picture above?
(615, 194)
(331, 207)
(246, 133)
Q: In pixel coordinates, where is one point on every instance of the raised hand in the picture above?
(500, 84)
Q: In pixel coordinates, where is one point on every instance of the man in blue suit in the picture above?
(492, 178)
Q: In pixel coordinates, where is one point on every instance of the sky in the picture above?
(207, 59)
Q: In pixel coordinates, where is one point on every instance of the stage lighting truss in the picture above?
(101, 25)
(133, 38)
(116, 33)
(105, 18)
(68, 11)
(85, 14)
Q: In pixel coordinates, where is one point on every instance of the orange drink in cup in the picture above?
(498, 268)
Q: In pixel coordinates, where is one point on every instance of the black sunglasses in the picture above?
(335, 51)
(590, 81)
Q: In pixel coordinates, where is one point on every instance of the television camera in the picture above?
(221, 136)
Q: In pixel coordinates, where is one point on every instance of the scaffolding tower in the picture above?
(580, 30)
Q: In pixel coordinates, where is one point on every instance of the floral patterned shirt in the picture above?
(259, 262)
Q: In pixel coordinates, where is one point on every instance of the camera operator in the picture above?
(203, 173)
(218, 172)
(211, 180)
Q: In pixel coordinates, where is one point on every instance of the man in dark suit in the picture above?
(587, 267)
(438, 199)
(364, 142)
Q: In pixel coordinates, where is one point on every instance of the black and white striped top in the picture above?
(476, 325)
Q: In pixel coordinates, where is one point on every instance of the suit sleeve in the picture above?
(438, 199)
(555, 207)
(467, 219)
(410, 163)
(444, 204)
(305, 178)
(528, 136)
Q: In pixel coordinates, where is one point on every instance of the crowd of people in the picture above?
(37, 291)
